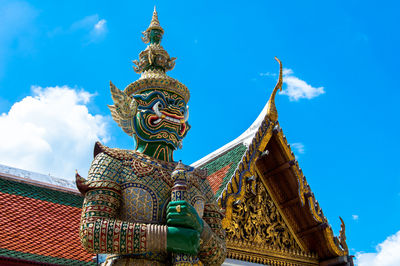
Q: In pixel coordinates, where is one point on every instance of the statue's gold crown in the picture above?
(155, 24)
(153, 64)
(158, 80)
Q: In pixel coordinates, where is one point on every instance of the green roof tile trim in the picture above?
(39, 258)
(41, 193)
(233, 156)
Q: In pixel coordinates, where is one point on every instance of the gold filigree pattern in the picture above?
(139, 205)
(256, 219)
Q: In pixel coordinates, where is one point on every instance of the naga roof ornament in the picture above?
(272, 113)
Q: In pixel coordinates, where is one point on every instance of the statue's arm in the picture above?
(212, 247)
(101, 231)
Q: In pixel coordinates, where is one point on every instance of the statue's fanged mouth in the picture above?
(168, 117)
(155, 121)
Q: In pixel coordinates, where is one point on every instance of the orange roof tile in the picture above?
(40, 227)
(216, 178)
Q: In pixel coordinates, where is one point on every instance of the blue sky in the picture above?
(339, 107)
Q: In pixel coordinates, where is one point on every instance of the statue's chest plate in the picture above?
(146, 192)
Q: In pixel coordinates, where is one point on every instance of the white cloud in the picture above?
(100, 26)
(287, 72)
(52, 132)
(387, 253)
(298, 147)
(355, 217)
(96, 27)
(297, 89)
(268, 74)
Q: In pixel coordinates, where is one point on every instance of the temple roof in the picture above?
(262, 156)
(39, 221)
(244, 139)
(222, 163)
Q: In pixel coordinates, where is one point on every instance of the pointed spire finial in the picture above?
(272, 113)
(155, 24)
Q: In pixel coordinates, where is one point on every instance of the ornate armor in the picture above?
(124, 214)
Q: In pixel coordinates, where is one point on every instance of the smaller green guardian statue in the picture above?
(128, 212)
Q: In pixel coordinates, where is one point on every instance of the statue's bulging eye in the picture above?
(159, 102)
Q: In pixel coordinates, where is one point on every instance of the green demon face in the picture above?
(155, 36)
(161, 117)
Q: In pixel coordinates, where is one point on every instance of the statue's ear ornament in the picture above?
(146, 37)
(123, 110)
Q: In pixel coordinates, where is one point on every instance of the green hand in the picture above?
(183, 240)
(187, 216)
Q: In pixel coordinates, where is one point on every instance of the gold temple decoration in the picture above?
(342, 236)
(235, 189)
(258, 232)
(266, 255)
(257, 220)
(241, 197)
(340, 249)
(272, 113)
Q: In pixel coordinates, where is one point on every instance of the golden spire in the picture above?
(272, 113)
(155, 24)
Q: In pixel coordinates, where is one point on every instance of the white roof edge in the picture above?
(34, 177)
(245, 138)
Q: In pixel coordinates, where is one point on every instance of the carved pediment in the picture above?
(257, 231)
(256, 219)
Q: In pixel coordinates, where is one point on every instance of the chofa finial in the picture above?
(272, 113)
(342, 236)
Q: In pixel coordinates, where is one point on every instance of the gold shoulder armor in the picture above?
(115, 153)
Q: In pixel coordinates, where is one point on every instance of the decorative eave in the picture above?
(246, 169)
(287, 185)
(264, 254)
(270, 158)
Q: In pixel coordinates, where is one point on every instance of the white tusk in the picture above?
(186, 117)
(155, 109)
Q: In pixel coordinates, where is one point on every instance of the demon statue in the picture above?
(141, 207)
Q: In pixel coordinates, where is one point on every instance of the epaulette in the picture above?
(115, 153)
(84, 185)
